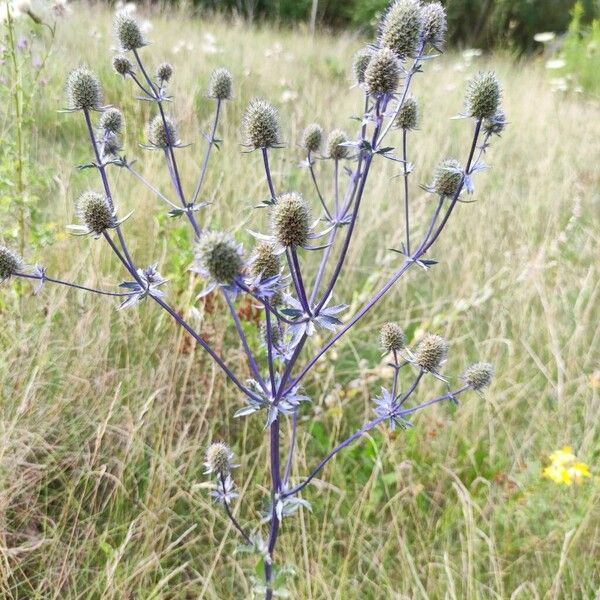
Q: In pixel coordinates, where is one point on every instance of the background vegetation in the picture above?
(104, 416)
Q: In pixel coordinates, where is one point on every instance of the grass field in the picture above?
(105, 415)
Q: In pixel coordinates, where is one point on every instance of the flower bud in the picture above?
(312, 138)
(392, 338)
(161, 136)
(400, 28)
(447, 177)
(220, 84)
(112, 120)
(334, 148)
(360, 63)
(479, 375)
(10, 263)
(483, 96)
(221, 256)
(275, 334)
(164, 72)
(383, 72)
(122, 65)
(496, 124)
(434, 24)
(260, 125)
(83, 90)
(290, 220)
(218, 459)
(264, 262)
(95, 212)
(431, 352)
(111, 145)
(408, 115)
(128, 31)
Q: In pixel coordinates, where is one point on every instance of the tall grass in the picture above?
(101, 444)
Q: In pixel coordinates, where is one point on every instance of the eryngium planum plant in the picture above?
(294, 304)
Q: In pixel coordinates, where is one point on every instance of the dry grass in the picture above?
(105, 415)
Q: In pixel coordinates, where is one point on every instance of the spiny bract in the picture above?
(221, 256)
(431, 352)
(290, 220)
(83, 90)
(383, 72)
(220, 84)
(260, 125)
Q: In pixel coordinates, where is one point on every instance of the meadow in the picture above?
(105, 416)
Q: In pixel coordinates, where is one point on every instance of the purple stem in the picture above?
(207, 155)
(314, 179)
(73, 285)
(406, 199)
(265, 155)
(301, 288)
(230, 514)
(288, 466)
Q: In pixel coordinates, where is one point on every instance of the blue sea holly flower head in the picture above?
(479, 376)
(382, 74)
(219, 459)
(265, 278)
(266, 400)
(96, 214)
(162, 134)
(260, 125)
(447, 178)
(151, 281)
(83, 90)
(401, 27)
(128, 31)
(430, 355)
(219, 259)
(10, 263)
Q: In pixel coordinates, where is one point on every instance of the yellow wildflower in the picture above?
(564, 469)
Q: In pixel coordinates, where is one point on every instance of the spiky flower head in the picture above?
(435, 24)
(122, 65)
(265, 262)
(161, 136)
(392, 338)
(483, 96)
(479, 375)
(290, 220)
(383, 72)
(496, 124)
(400, 27)
(83, 90)
(360, 63)
(111, 145)
(218, 459)
(128, 31)
(312, 137)
(95, 212)
(335, 149)
(408, 115)
(275, 334)
(447, 177)
(164, 72)
(431, 352)
(220, 85)
(260, 124)
(221, 256)
(112, 120)
(10, 263)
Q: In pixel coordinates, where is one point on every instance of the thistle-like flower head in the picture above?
(483, 96)
(122, 65)
(219, 459)
(392, 338)
(495, 125)
(164, 72)
(479, 375)
(260, 125)
(83, 90)
(10, 263)
(160, 136)
(111, 120)
(435, 24)
(360, 63)
(95, 213)
(290, 220)
(220, 256)
(447, 177)
(128, 31)
(265, 262)
(220, 85)
(400, 27)
(312, 138)
(335, 149)
(408, 115)
(383, 72)
(431, 353)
